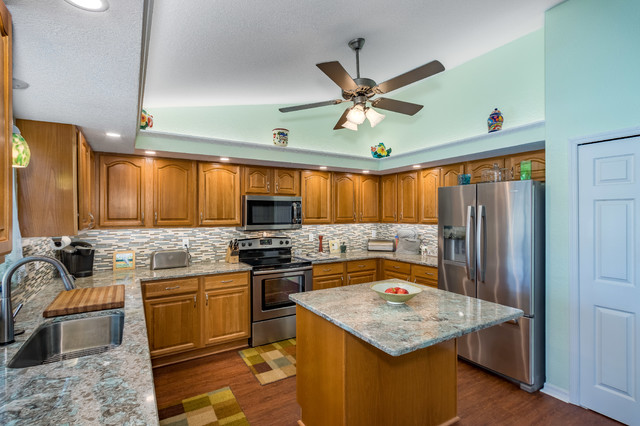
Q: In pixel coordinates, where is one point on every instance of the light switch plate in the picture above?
(374, 233)
(185, 243)
(310, 236)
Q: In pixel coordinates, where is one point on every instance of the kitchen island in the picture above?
(362, 361)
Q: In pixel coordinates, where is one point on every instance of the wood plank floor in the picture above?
(483, 399)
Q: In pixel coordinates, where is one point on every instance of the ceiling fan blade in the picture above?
(342, 120)
(314, 105)
(396, 106)
(409, 77)
(338, 74)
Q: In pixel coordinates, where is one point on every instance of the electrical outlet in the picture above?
(185, 243)
(311, 236)
(374, 233)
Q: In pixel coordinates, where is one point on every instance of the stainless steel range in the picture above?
(275, 275)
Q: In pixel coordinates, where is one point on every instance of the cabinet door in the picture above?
(286, 182)
(257, 180)
(346, 187)
(387, 275)
(449, 174)
(426, 275)
(219, 194)
(121, 190)
(368, 196)
(6, 114)
(537, 159)
(316, 197)
(424, 281)
(226, 315)
(86, 218)
(408, 197)
(475, 168)
(428, 199)
(328, 281)
(361, 277)
(174, 188)
(173, 324)
(388, 198)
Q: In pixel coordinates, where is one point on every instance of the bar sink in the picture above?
(57, 341)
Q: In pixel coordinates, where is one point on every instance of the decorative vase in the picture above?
(281, 137)
(146, 120)
(380, 151)
(495, 121)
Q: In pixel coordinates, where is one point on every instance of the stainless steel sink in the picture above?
(69, 339)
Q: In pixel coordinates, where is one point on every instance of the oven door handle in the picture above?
(282, 271)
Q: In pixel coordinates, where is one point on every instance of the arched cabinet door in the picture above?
(316, 197)
(122, 184)
(174, 192)
(218, 195)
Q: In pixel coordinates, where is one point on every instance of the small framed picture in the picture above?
(124, 260)
(334, 246)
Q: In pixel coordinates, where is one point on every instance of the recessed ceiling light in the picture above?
(150, 152)
(113, 134)
(90, 5)
(19, 84)
(365, 171)
(416, 166)
(323, 167)
(224, 159)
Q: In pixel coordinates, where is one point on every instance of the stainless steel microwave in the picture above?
(262, 213)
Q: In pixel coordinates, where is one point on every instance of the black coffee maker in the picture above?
(77, 257)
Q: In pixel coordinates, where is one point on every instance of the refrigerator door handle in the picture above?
(481, 244)
(471, 216)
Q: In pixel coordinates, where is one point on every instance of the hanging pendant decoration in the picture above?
(495, 121)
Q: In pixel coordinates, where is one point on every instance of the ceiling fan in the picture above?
(360, 90)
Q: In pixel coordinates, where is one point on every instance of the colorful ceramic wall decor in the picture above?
(380, 151)
(281, 137)
(146, 120)
(495, 121)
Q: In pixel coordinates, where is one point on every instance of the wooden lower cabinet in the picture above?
(193, 317)
(328, 275)
(425, 275)
(361, 271)
(395, 269)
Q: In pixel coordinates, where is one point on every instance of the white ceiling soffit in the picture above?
(82, 67)
(244, 52)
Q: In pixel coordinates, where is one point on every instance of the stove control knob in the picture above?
(243, 244)
(286, 242)
(281, 242)
(250, 244)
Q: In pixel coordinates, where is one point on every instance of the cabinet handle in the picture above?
(226, 281)
(172, 288)
(415, 279)
(348, 279)
(326, 269)
(92, 222)
(342, 280)
(200, 218)
(155, 218)
(143, 217)
(361, 266)
(206, 299)
(354, 217)
(277, 187)
(194, 300)
(400, 215)
(429, 273)
(268, 187)
(396, 267)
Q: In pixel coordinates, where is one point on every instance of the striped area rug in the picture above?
(272, 362)
(214, 408)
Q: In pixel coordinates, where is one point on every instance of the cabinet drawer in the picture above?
(226, 280)
(395, 266)
(328, 269)
(169, 287)
(361, 265)
(427, 272)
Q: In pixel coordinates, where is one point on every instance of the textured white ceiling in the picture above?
(242, 52)
(82, 67)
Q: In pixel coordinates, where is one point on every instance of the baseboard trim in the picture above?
(556, 392)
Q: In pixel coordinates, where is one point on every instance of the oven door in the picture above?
(271, 290)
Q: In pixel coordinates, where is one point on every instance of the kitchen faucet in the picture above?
(6, 316)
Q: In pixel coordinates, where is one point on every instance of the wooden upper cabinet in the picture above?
(270, 181)
(388, 198)
(219, 194)
(475, 168)
(86, 184)
(6, 114)
(346, 188)
(174, 192)
(122, 190)
(316, 197)
(408, 197)
(449, 174)
(430, 181)
(537, 159)
(286, 181)
(368, 198)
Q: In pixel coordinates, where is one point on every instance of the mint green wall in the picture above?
(456, 103)
(592, 58)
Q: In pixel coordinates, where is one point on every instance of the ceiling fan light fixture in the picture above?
(374, 117)
(356, 114)
(349, 125)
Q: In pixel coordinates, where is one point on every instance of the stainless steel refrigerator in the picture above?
(491, 246)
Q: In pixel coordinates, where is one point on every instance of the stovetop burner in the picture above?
(269, 253)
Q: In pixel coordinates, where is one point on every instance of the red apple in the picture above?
(390, 290)
(400, 290)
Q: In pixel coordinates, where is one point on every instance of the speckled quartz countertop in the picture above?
(430, 317)
(362, 254)
(115, 387)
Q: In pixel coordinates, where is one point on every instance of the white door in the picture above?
(609, 256)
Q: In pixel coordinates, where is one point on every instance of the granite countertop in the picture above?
(115, 387)
(363, 254)
(430, 317)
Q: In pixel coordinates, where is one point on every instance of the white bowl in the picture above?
(396, 299)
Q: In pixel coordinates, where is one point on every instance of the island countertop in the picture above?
(431, 317)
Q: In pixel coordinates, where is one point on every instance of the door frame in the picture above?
(574, 264)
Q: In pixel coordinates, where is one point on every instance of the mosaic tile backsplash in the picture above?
(205, 244)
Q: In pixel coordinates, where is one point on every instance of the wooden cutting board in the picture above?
(86, 300)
